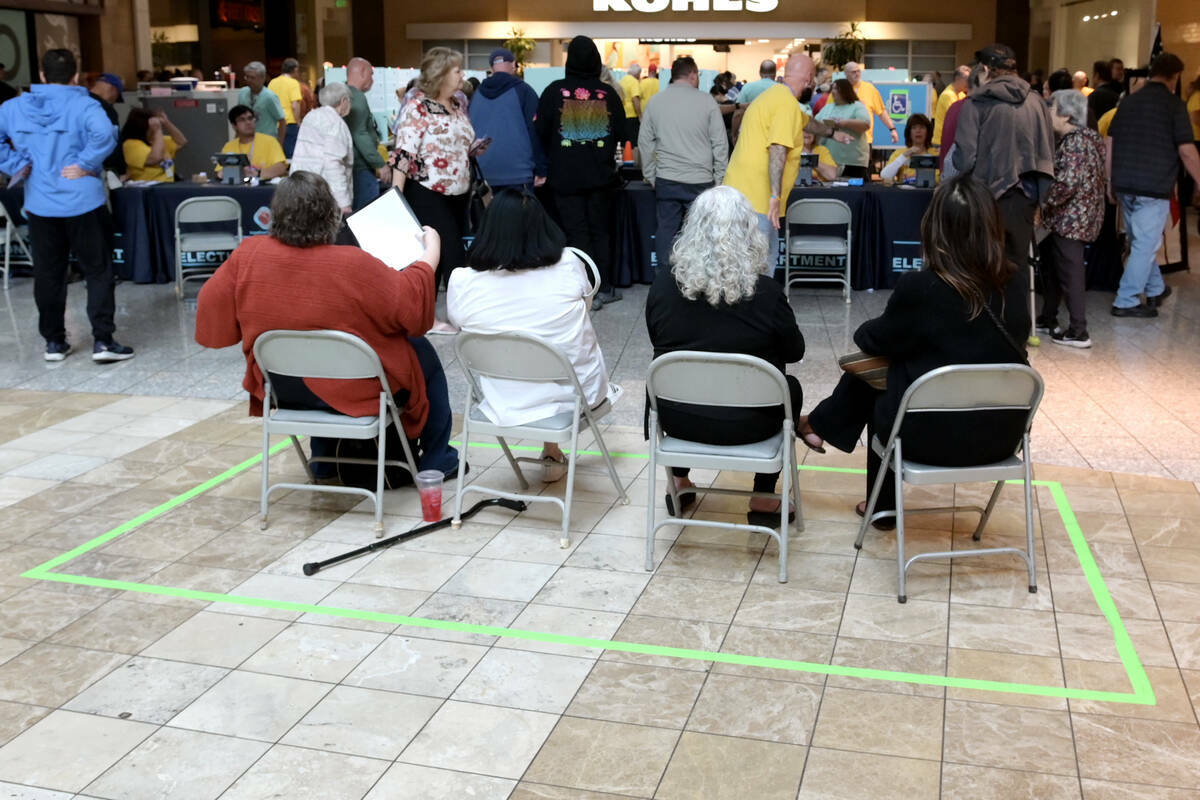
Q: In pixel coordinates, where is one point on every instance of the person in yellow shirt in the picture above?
(916, 141)
(957, 90)
(631, 94)
(826, 166)
(287, 87)
(870, 98)
(1193, 107)
(265, 154)
(1080, 81)
(149, 142)
(1105, 121)
(766, 160)
(649, 86)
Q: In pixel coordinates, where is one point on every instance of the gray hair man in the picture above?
(267, 108)
(684, 150)
(370, 170)
(325, 147)
(286, 86)
(870, 98)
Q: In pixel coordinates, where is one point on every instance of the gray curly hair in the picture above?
(1072, 104)
(720, 251)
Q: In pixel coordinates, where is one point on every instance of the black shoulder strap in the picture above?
(1020, 351)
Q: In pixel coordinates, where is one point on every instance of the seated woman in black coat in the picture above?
(714, 298)
(969, 305)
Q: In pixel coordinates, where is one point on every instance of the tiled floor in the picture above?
(125, 694)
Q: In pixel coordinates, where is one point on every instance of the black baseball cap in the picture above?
(998, 56)
(501, 54)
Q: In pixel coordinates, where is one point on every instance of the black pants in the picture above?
(53, 240)
(748, 427)
(1017, 211)
(446, 214)
(1063, 273)
(671, 202)
(587, 220)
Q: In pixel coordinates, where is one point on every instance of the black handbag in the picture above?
(478, 199)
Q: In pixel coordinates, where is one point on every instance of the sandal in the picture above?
(809, 437)
(884, 524)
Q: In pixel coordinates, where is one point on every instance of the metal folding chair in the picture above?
(335, 355)
(818, 211)
(722, 379)
(521, 357)
(13, 238)
(960, 389)
(204, 211)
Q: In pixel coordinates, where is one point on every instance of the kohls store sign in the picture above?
(654, 6)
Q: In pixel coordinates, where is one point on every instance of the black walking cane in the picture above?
(313, 567)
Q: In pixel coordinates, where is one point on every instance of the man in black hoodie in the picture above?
(1005, 138)
(580, 119)
(503, 109)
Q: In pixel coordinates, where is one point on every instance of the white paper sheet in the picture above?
(388, 230)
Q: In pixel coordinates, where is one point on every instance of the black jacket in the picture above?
(116, 159)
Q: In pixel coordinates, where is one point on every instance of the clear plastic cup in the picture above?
(429, 486)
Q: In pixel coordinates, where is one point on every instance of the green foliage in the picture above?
(521, 47)
(848, 46)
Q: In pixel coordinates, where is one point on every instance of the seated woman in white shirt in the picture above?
(521, 280)
(918, 132)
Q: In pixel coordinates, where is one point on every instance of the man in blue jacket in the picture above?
(504, 109)
(60, 138)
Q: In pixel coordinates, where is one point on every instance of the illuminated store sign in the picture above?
(653, 6)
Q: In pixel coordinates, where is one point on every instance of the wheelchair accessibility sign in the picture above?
(897, 104)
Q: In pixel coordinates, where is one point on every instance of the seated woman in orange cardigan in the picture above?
(297, 279)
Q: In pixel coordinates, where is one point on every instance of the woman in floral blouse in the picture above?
(431, 160)
(1074, 212)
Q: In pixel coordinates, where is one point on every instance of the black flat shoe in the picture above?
(1142, 311)
(686, 501)
(1157, 300)
(768, 519)
(883, 524)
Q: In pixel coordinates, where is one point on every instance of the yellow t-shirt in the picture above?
(1193, 105)
(824, 159)
(288, 90)
(632, 88)
(773, 118)
(946, 99)
(908, 171)
(870, 98)
(136, 152)
(1105, 120)
(648, 87)
(265, 151)
(1087, 90)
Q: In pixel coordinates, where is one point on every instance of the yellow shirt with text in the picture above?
(288, 90)
(775, 117)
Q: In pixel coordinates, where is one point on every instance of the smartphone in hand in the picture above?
(479, 147)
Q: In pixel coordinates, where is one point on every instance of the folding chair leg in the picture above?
(512, 462)
(382, 431)
(785, 531)
(796, 488)
(1032, 562)
(565, 539)
(612, 469)
(650, 497)
(874, 497)
(303, 458)
(902, 591)
(456, 521)
(266, 460)
(987, 512)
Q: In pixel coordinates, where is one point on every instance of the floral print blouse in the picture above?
(432, 142)
(1074, 209)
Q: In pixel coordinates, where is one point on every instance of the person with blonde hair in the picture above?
(716, 299)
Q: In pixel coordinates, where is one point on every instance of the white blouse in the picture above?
(548, 303)
(324, 146)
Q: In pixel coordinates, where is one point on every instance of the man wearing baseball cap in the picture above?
(1005, 138)
(504, 109)
(107, 90)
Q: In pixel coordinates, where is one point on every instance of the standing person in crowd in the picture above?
(607, 76)
(431, 162)
(504, 110)
(296, 278)
(1193, 109)
(1006, 140)
(60, 137)
(266, 105)
(849, 143)
(732, 88)
(370, 170)
(286, 86)
(631, 94)
(766, 79)
(715, 299)
(522, 280)
(1116, 68)
(1074, 212)
(1059, 79)
(957, 90)
(766, 160)
(973, 83)
(684, 150)
(308, 98)
(107, 90)
(1151, 134)
(325, 147)
(870, 98)
(916, 143)
(649, 86)
(1079, 82)
(149, 142)
(265, 154)
(968, 305)
(580, 120)
(1107, 92)
(7, 92)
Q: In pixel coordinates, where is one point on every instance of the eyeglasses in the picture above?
(247, 118)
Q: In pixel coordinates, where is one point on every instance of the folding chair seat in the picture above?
(818, 211)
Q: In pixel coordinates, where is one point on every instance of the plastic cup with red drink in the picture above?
(429, 486)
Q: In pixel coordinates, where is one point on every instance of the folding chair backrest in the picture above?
(318, 354)
(965, 388)
(593, 270)
(198, 210)
(512, 356)
(716, 379)
(819, 211)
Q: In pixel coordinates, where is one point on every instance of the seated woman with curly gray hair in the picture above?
(716, 299)
(298, 279)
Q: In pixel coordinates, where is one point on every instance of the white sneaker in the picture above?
(553, 469)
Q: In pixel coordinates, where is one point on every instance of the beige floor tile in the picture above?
(122, 626)
(877, 576)
(50, 675)
(178, 764)
(986, 783)
(514, 543)
(416, 666)
(411, 782)
(1171, 563)
(572, 622)
(917, 621)
(363, 722)
(1178, 602)
(998, 582)
(844, 775)
(637, 694)
(1118, 748)
(756, 708)
(877, 722)
(360, 597)
(483, 739)
(17, 524)
(1161, 504)
(1007, 668)
(314, 652)
(599, 590)
(500, 580)
(252, 706)
(66, 751)
(791, 606)
(711, 561)
(542, 791)
(219, 640)
(17, 717)
(35, 614)
(1006, 630)
(1185, 640)
(685, 634)
(1091, 638)
(724, 767)
(1134, 599)
(291, 771)
(604, 757)
(444, 607)
(767, 643)
(1009, 737)
(147, 690)
(816, 571)
(239, 550)
(1106, 790)
(1097, 526)
(1171, 697)
(524, 680)
(189, 576)
(690, 598)
(1159, 531)
(921, 659)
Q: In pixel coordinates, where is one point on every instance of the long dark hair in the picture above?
(516, 233)
(845, 90)
(137, 125)
(962, 236)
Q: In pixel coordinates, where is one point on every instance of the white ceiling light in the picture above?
(763, 41)
(1087, 18)
(1113, 13)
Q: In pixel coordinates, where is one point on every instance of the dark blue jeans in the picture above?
(366, 188)
(290, 133)
(671, 201)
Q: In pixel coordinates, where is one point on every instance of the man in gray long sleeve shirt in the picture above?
(683, 149)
